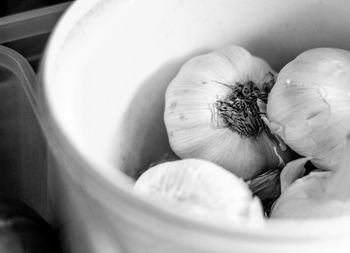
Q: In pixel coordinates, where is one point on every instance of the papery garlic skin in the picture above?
(202, 190)
(194, 125)
(309, 105)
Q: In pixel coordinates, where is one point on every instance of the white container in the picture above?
(104, 75)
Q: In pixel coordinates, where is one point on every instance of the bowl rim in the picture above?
(319, 229)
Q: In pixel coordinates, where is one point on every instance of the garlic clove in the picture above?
(201, 190)
(305, 199)
(321, 194)
(291, 172)
(338, 184)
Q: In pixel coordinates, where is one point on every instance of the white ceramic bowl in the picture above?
(104, 75)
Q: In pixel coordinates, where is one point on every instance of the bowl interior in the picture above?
(107, 74)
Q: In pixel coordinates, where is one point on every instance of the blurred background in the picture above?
(8, 7)
(25, 25)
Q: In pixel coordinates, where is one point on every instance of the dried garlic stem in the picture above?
(240, 110)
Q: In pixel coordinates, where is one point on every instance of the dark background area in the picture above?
(25, 26)
(8, 7)
(12, 11)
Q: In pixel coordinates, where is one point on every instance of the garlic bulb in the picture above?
(321, 194)
(213, 108)
(202, 190)
(291, 172)
(309, 106)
